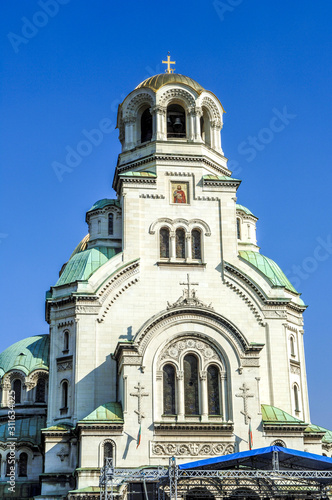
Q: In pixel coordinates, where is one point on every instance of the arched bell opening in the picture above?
(146, 126)
(176, 122)
(206, 128)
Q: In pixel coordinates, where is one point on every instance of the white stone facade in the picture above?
(113, 333)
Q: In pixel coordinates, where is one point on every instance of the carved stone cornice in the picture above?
(198, 428)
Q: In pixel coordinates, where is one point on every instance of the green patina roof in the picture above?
(26, 355)
(83, 264)
(269, 268)
(273, 415)
(59, 427)
(244, 209)
(105, 202)
(317, 428)
(109, 412)
(143, 173)
(211, 177)
(26, 429)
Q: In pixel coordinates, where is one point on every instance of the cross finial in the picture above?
(169, 62)
(188, 284)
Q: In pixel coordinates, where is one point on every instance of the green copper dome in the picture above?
(26, 355)
(268, 268)
(158, 81)
(244, 209)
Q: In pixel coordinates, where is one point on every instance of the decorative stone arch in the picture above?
(212, 115)
(129, 120)
(172, 224)
(198, 315)
(279, 442)
(204, 348)
(32, 381)
(178, 96)
(7, 381)
(212, 109)
(102, 448)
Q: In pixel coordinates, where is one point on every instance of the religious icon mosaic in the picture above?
(179, 192)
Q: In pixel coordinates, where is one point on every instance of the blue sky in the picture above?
(65, 67)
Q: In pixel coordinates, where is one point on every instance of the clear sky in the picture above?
(67, 64)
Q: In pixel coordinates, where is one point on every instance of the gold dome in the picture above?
(158, 81)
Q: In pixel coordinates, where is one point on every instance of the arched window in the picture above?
(169, 389)
(110, 224)
(64, 395)
(176, 121)
(213, 390)
(9, 463)
(296, 398)
(196, 248)
(66, 341)
(292, 345)
(164, 243)
(108, 450)
(146, 126)
(191, 401)
(238, 228)
(40, 390)
(206, 128)
(180, 243)
(23, 465)
(99, 227)
(17, 388)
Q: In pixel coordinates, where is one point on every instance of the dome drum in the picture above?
(170, 107)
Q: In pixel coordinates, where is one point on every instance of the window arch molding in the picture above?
(173, 224)
(177, 96)
(102, 451)
(292, 345)
(296, 395)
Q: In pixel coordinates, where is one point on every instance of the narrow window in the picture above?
(292, 345)
(213, 390)
(66, 341)
(64, 395)
(99, 226)
(176, 121)
(17, 388)
(146, 126)
(196, 250)
(296, 398)
(110, 224)
(191, 402)
(108, 450)
(238, 228)
(9, 464)
(23, 465)
(180, 242)
(169, 389)
(40, 390)
(164, 243)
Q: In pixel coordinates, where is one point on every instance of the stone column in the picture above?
(191, 124)
(172, 250)
(180, 391)
(129, 132)
(188, 247)
(198, 115)
(224, 397)
(204, 395)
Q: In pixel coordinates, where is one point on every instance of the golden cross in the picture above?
(169, 62)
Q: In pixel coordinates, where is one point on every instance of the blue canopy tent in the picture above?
(264, 458)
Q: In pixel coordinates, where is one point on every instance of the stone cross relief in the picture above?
(139, 394)
(62, 454)
(245, 395)
(188, 297)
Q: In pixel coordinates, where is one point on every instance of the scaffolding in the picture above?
(172, 483)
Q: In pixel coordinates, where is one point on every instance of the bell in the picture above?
(178, 124)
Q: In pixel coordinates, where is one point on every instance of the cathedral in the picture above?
(170, 333)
